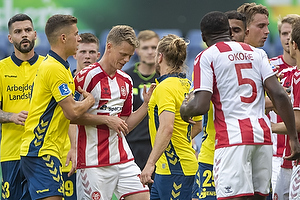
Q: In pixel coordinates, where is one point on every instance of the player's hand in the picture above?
(71, 157)
(295, 151)
(146, 174)
(87, 96)
(147, 94)
(19, 118)
(183, 113)
(117, 124)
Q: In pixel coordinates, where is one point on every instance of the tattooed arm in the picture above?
(17, 118)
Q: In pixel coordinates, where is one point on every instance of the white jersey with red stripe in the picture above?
(234, 73)
(285, 71)
(99, 146)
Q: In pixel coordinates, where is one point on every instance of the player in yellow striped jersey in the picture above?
(17, 73)
(172, 152)
(51, 109)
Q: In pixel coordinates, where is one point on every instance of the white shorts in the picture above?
(276, 165)
(242, 170)
(101, 182)
(281, 191)
(295, 183)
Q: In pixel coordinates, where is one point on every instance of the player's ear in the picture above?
(295, 46)
(247, 32)
(63, 38)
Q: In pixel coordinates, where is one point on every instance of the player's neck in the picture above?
(106, 66)
(61, 52)
(145, 69)
(288, 59)
(298, 59)
(24, 56)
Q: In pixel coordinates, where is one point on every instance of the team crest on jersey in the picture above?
(96, 195)
(123, 91)
(64, 89)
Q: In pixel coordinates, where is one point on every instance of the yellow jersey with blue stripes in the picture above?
(16, 78)
(207, 149)
(46, 127)
(179, 157)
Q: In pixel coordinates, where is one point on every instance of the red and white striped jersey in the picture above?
(234, 73)
(277, 139)
(285, 72)
(98, 145)
(295, 97)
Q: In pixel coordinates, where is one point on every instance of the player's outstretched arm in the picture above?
(113, 122)
(194, 105)
(73, 109)
(137, 116)
(162, 139)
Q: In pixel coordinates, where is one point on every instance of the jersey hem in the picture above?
(104, 165)
(239, 144)
(130, 193)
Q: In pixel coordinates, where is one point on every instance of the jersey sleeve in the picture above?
(58, 80)
(203, 73)
(266, 67)
(166, 100)
(82, 80)
(296, 91)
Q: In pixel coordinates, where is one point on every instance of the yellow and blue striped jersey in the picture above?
(207, 150)
(16, 78)
(46, 127)
(179, 157)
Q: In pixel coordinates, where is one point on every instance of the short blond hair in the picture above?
(250, 9)
(121, 33)
(290, 19)
(147, 35)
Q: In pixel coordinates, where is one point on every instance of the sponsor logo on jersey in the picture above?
(10, 76)
(64, 89)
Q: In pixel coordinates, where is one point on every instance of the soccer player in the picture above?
(17, 73)
(87, 53)
(237, 23)
(51, 109)
(286, 66)
(234, 75)
(172, 152)
(257, 23)
(142, 73)
(204, 187)
(292, 190)
(105, 164)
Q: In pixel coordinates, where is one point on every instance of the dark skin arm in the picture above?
(282, 104)
(195, 105)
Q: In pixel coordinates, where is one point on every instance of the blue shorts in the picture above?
(196, 185)
(44, 176)
(207, 184)
(13, 181)
(69, 186)
(166, 187)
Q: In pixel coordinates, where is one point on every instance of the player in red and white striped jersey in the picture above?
(233, 75)
(285, 64)
(105, 164)
(294, 187)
